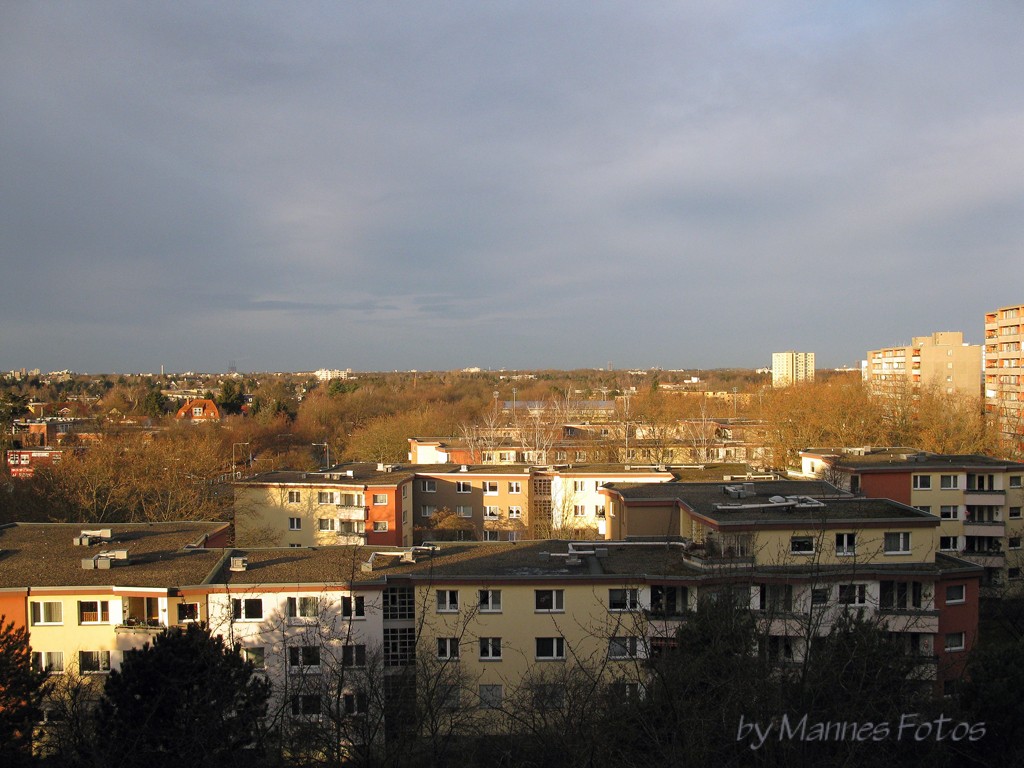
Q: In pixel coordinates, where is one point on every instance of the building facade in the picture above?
(941, 361)
(1004, 375)
(792, 368)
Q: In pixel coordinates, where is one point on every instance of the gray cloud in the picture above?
(407, 185)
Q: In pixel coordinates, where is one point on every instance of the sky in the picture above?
(437, 185)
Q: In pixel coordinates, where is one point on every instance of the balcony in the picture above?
(352, 513)
(910, 620)
(985, 558)
(993, 528)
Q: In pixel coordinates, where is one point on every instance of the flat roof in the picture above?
(42, 555)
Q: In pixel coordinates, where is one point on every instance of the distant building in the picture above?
(1004, 373)
(941, 360)
(791, 368)
(326, 374)
(199, 411)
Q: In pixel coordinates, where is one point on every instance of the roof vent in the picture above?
(239, 564)
(350, 473)
(464, 468)
(573, 560)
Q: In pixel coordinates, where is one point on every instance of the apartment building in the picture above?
(941, 361)
(23, 462)
(800, 545)
(358, 503)
(977, 499)
(1004, 374)
(89, 596)
(792, 368)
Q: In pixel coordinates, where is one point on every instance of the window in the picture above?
(1014, 542)
(955, 641)
(399, 646)
(246, 610)
(304, 656)
(303, 607)
(623, 600)
(491, 487)
(599, 511)
(1013, 573)
(447, 600)
(380, 499)
(353, 607)
(353, 656)
(492, 512)
(447, 647)
(490, 648)
(1015, 481)
(93, 661)
(257, 656)
(897, 543)
(491, 536)
(948, 511)
(47, 613)
(801, 545)
(622, 648)
(188, 612)
(48, 661)
(513, 535)
(515, 513)
(294, 523)
(490, 601)
(949, 482)
(922, 482)
(294, 546)
(549, 600)
(464, 510)
(428, 486)
(956, 593)
(294, 497)
(550, 648)
(900, 595)
(380, 526)
(852, 594)
(426, 510)
(820, 596)
(775, 597)
(515, 486)
(924, 508)
(579, 510)
(490, 696)
(846, 544)
(948, 543)
(355, 703)
(306, 704)
(399, 603)
(325, 497)
(327, 523)
(93, 611)
(668, 601)
(463, 486)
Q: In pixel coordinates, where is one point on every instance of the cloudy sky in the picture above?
(514, 184)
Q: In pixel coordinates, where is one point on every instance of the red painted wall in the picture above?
(384, 513)
(890, 485)
(958, 617)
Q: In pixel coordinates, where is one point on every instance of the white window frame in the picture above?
(294, 523)
(448, 648)
(954, 540)
(622, 648)
(954, 641)
(51, 662)
(492, 512)
(327, 524)
(380, 499)
(463, 486)
(490, 601)
(257, 654)
(380, 526)
(447, 601)
(427, 510)
(39, 610)
(323, 498)
(464, 510)
(922, 482)
(299, 608)
(102, 663)
(903, 541)
(514, 513)
(859, 594)
(557, 601)
(102, 611)
(294, 497)
(490, 487)
(491, 695)
(243, 604)
(490, 649)
(514, 486)
(428, 486)
(956, 600)
(847, 545)
(949, 511)
(627, 597)
(799, 550)
(949, 482)
(557, 649)
(491, 536)
(297, 660)
(353, 606)
(1014, 481)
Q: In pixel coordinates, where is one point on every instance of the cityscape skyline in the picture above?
(403, 187)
